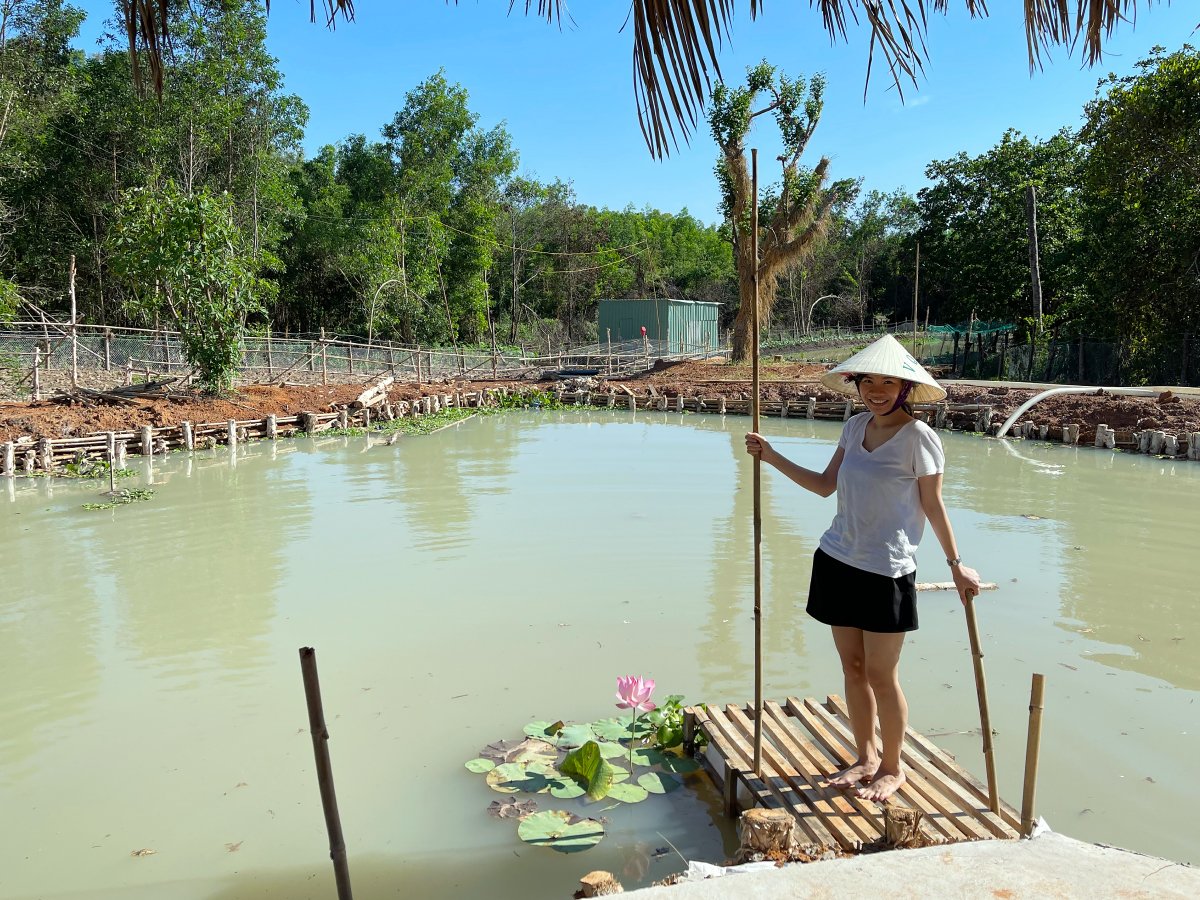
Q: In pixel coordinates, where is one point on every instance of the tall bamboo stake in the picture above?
(754, 337)
(74, 328)
(1032, 746)
(320, 739)
(985, 720)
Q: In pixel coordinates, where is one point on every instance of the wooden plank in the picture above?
(828, 809)
(730, 773)
(960, 811)
(815, 831)
(866, 816)
(839, 741)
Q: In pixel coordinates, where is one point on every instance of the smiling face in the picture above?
(879, 392)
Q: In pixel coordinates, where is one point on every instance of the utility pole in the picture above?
(1035, 274)
(916, 284)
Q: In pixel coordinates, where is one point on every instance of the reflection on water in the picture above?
(459, 585)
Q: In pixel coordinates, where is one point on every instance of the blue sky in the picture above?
(567, 97)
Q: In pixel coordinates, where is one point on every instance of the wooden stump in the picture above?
(632, 403)
(46, 453)
(679, 403)
(783, 410)
(9, 467)
(308, 421)
(849, 411)
(271, 427)
(599, 884)
(902, 826)
(189, 440)
(121, 452)
(147, 437)
(231, 431)
(766, 832)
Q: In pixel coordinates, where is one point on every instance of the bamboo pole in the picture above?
(916, 285)
(37, 378)
(985, 719)
(320, 739)
(324, 361)
(1032, 746)
(754, 339)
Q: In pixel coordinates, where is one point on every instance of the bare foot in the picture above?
(882, 786)
(859, 773)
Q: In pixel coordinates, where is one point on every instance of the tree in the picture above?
(796, 216)
(973, 234)
(1141, 211)
(184, 258)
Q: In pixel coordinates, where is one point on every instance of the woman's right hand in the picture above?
(758, 446)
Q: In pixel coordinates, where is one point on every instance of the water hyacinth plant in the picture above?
(570, 762)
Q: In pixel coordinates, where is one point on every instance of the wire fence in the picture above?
(130, 353)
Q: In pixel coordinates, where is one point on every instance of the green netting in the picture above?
(976, 327)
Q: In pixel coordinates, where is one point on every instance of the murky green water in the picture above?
(460, 585)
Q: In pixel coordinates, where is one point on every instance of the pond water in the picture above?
(505, 570)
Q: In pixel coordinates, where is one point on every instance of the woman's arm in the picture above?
(966, 579)
(822, 483)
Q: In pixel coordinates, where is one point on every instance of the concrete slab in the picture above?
(1051, 865)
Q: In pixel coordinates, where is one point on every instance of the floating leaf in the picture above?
(647, 756)
(481, 765)
(498, 750)
(575, 736)
(590, 769)
(565, 789)
(543, 730)
(611, 729)
(627, 793)
(620, 774)
(609, 750)
(511, 808)
(508, 778)
(531, 750)
(556, 830)
(658, 782)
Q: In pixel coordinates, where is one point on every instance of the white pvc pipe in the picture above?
(1124, 392)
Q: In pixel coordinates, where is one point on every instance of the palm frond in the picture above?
(676, 43)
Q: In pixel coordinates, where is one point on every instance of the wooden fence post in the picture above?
(1033, 743)
(272, 428)
(10, 460)
(37, 377)
(231, 429)
(147, 436)
(189, 440)
(324, 361)
(107, 350)
(74, 328)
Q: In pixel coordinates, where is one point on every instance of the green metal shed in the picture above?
(687, 324)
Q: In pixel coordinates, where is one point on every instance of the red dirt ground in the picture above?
(708, 379)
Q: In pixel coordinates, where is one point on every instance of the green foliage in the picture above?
(1141, 209)
(185, 259)
(123, 498)
(589, 767)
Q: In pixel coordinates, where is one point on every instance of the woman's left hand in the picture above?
(966, 580)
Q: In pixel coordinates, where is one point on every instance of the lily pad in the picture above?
(658, 782)
(575, 736)
(620, 773)
(627, 793)
(609, 750)
(481, 765)
(611, 729)
(511, 808)
(508, 778)
(648, 756)
(560, 831)
(543, 730)
(531, 750)
(565, 789)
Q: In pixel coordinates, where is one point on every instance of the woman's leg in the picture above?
(883, 675)
(861, 702)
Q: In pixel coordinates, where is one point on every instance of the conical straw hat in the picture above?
(885, 357)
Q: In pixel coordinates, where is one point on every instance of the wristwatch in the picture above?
(957, 561)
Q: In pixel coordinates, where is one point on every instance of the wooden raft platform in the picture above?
(805, 741)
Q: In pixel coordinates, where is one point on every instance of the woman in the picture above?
(887, 472)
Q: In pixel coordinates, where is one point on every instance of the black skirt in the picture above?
(842, 595)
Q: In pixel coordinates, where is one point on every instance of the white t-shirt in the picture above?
(879, 518)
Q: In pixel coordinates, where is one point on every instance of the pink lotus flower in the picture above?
(633, 692)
